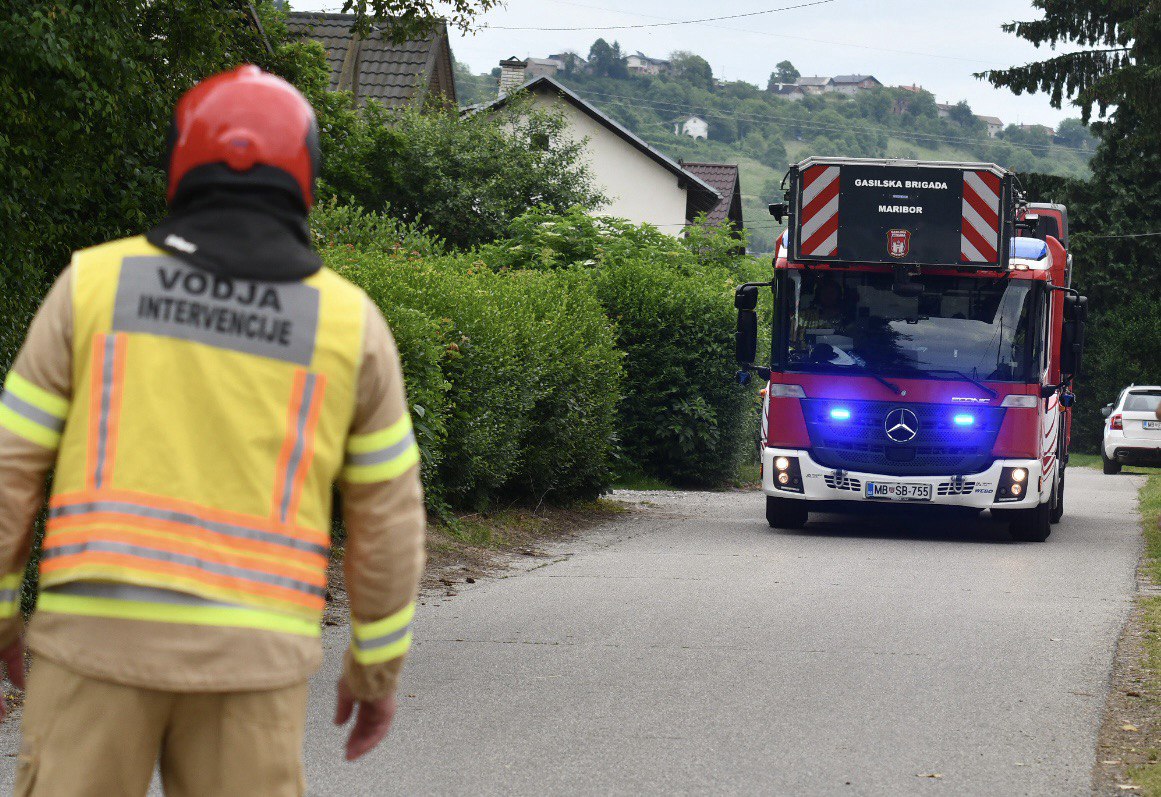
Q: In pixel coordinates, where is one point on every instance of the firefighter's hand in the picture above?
(13, 659)
(372, 721)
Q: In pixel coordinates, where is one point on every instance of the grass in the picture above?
(640, 481)
(1148, 776)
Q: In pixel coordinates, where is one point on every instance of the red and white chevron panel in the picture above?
(981, 218)
(818, 230)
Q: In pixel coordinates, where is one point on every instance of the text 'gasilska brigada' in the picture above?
(936, 185)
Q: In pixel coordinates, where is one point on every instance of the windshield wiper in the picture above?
(961, 375)
(865, 370)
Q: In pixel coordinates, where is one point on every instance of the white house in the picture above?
(993, 123)
(692, 126)
(640, 64)
(642, 184)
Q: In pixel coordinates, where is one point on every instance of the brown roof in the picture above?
(724, 179)
(373, 68)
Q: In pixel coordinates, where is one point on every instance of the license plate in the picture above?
(1152, 424)
(899, 491)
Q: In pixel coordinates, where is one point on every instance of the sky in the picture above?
(937, 45)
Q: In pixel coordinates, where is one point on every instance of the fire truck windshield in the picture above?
(836, 321)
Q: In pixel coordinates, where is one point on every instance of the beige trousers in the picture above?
(83, 736)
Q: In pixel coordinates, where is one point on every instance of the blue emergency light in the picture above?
(1028, 248)
(964, 419)
(840, 414)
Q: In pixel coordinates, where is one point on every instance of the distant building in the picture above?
(787, 91)
(943, 109)
(641, 183)
(993, 123)
(570, 62)
(912, 88)
(812, 85)
(640, 64)
(851, 84)
(725, 179)
(692, 126)
(541, 67)
(373, 68)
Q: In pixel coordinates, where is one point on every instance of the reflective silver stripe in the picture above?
(34, 414)
(228, 529)
(383, 454)
(132, 592)
(383, 641)
(107, 363)
(308, 388)
(102, 546)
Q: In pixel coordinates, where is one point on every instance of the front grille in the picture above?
(939, 448)
(843, 483)
(955, 488)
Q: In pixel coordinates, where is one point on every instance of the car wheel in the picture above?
(784, 513)
(1032, 525)
(1058, 504)
(1111, 466)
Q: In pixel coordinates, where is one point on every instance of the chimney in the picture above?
(511, 74)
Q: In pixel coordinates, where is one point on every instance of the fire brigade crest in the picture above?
(898, 243)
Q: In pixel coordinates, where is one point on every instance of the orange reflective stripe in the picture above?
(209, 534)
(292, 412)
(162, 573)
(298, 445)
(209, 514)
(273, 563)
(303, 468)
(107, 373)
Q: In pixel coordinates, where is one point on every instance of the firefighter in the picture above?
(198, 390)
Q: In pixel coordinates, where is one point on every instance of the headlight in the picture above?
(1027, 402)
(789, 475)
(787, 391)
(1013, 484)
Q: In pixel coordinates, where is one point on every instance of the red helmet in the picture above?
(244, 127)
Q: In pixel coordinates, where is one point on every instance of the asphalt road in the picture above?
(691, 649)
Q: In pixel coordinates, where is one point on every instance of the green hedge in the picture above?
(515, 375)
(682, 418)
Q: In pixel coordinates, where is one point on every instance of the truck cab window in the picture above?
(852, 320)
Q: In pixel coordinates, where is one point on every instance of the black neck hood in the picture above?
(239, 232)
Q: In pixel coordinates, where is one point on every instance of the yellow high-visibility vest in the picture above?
(209, 419)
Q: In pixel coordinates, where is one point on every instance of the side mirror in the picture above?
(778, 210)
(1048, 391)
(746, 338)
(1106, 410)
(1072, 342)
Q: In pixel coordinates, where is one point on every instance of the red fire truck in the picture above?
(924, 342)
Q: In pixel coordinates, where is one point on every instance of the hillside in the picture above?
(763, 132)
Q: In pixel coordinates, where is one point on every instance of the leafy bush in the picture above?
(528, 377)
(682, 418)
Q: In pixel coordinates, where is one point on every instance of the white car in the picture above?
(1132, 429)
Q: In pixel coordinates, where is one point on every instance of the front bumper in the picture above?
(975, 491)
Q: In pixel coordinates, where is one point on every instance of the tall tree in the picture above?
(1113, 216)
(785, 72)
(692, 69)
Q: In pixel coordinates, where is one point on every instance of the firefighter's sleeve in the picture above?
(33, 408)
(384, 515)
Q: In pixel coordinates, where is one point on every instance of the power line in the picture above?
(1126, 235)
(783, 35)
(668, 24)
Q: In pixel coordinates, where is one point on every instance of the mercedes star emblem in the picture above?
(901, 425)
